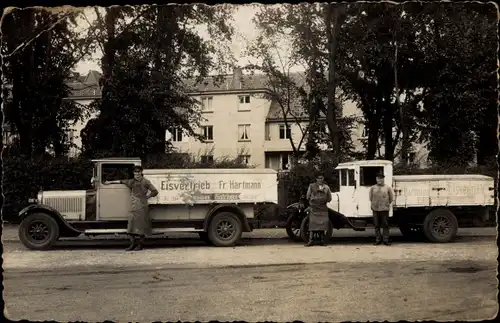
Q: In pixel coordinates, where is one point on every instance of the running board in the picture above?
(155, 231)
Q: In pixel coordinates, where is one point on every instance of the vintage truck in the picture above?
(218, 204)
(425, 206)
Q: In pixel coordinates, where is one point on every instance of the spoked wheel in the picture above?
(293, 227)
(225, 229)
(38, 231)
(440, 225)
(304, 230)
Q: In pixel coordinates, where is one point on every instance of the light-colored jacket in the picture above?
(317, 194)
(381, 197)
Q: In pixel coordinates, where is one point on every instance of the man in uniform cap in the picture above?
(139, 223)
(381, 198)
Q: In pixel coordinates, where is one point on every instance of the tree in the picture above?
(313, 48)
(145, 64)
(39, 50)
(286, 89)
(415, 53)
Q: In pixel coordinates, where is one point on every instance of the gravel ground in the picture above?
(353, 281)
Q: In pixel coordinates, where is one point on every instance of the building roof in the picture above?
(87, 87)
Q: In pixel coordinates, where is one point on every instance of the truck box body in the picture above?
(443, 190)
(208, 186)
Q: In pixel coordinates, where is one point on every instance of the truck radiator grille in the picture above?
(65, 205)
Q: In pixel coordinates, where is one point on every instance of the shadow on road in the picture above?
(195, 242)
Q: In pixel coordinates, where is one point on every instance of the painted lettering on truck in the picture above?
(205, 185)
(186, 186)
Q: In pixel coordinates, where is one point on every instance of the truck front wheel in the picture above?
(225, 229)
(38, 231)
(440, 225)
(304, 230)
(293, 226)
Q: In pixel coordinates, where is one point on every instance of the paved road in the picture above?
(265, 279)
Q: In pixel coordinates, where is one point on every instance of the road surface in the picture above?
(264, 279)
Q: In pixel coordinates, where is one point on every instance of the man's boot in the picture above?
(140, 245)
(132, 244)
(311, 239)
(322, 238)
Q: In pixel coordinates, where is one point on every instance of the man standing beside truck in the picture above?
(381, 198)
(139, 223)
(318, 195)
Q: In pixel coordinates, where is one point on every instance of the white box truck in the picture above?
(425, 206)
(218, 204)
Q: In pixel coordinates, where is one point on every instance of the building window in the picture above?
(285, 162)
(365, 132)
(206, 104)
(267, 133)
(207, 159)
(244, 132)
(176, 134)
(7, 138)
(244, 103)
(244, 159)
(71, 133)
(285, 132)
(208, 133)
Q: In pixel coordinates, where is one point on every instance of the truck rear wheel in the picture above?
(304, 230)
(225, 229)
(440, 225)
(38, 231)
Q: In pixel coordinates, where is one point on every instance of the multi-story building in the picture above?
(242, 120)
(239, 119)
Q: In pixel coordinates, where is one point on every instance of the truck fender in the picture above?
(339, 220)
(227, 208)
(49, 211)
(295, 205)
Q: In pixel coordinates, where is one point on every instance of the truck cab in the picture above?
(355, 180)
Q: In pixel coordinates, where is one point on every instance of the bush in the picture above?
(296, 181)
(24, 178)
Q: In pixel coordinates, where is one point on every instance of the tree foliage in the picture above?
(145, 64)
(418, 71)
(39, 50)
(303, 26)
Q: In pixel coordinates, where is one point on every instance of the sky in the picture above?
(244, 31)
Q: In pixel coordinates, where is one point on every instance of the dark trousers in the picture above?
(381, 220)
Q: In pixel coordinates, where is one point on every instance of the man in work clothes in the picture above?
(139, 223)
(381, 198)
(319, 195)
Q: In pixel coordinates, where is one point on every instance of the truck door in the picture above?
(367, 178)
(347, 192)
(114, 199)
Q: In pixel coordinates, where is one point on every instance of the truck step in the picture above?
(155, 231)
